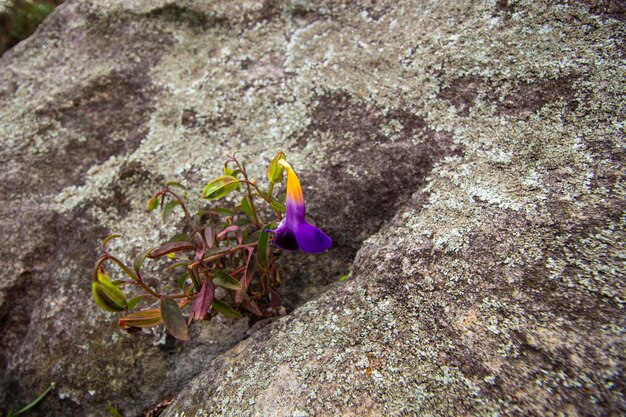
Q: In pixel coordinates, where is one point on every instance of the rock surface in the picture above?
(467, 157)
(20, 18)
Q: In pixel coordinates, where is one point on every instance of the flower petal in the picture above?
(311, 239)
(285, 239)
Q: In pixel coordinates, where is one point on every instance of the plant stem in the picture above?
(127, 272)
(267, 200)
(221, 254)
(192, 274)
(101, 259)
(182, 205)
(250, 197)
(180, 295)
(34, 402)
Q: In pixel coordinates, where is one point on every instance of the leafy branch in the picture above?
(224, 257)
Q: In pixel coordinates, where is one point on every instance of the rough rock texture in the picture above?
(20, 18)
(467, 157)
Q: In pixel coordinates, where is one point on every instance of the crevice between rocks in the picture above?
(385, 157)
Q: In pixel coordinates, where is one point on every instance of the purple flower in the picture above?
(294, 232)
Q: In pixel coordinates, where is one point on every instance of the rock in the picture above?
(20, 18)
(466, 157)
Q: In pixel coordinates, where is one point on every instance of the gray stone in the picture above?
(466, 157)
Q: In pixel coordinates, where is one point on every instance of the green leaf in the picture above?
(242, 221)
(275, 171)
(177, 265)
(139, 260)
(231, 172)
(167, 210)
(251, 237)
(264, 238)
(173, 318)
(278, 206)
(114, 294)
(108, 297)
(153, 202)
(346, 275)
(195, 278)
(175, 184)
(250, 268)
(102, 277)
(32, 403)
(107, 240)
(226, 280)
(114, 411)
(220, 187)
(134, 301)
(246, 207)
(171, 247)
(216, 251)
(225, 309)
(144, 318)
(182, 279)
(220, 211)
(179, 237)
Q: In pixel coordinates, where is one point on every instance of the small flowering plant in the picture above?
(225, 258)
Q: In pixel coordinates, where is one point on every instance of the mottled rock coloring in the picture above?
(467, 157)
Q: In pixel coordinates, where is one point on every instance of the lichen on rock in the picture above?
(466, 157)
